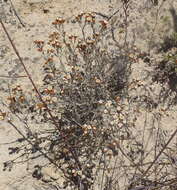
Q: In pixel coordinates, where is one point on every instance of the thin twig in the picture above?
(106, 16)
(170, 139)
(37, 91)
(16, 13)
(44, 154)
(28, 74)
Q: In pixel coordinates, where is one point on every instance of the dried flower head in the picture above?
(56, 44)
(21, 99)
(98, 81)
(82, 47)
(108, 103)
(49, 60)
(90, 41)
(104, 24)
(54, 36)
(54, 99)
(50, 51)
(39, 42)
(40, 106)
(2, 115)
(73, 38)
(78, 18)
(58, 21)
(101, 101)
(90, 19)
(50, 90)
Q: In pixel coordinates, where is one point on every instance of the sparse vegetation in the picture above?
(166, 69)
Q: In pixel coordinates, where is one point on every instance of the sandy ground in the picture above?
(38, 26)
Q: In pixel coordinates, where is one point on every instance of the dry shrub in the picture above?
(79, 102)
